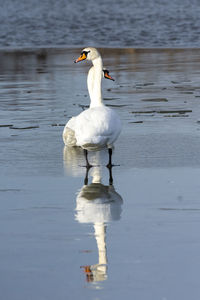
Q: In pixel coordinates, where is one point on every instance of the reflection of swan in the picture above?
(98, 204)
(73, 158)
(97, 127)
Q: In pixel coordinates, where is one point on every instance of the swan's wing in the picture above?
(98, 125)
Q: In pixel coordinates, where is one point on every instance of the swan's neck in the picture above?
(100, 234)
(94, 82)
(96, 172)
(90, 83)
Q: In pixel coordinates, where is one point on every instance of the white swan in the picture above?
(98, 126)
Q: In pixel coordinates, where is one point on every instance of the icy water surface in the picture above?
(138, 238)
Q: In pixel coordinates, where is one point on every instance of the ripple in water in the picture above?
(114, 23)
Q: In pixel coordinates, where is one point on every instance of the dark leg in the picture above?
(110, 175)
(88, 166)
(109, 165)
(86, 176)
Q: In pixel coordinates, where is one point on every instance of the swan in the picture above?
(98, 126)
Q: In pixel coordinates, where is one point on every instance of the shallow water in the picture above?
(136, 239)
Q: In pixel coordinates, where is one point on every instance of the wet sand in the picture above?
(136, 239)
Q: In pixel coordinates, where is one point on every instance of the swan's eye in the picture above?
(85, 53)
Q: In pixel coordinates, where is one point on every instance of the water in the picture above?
(139, 23)
(136, 239)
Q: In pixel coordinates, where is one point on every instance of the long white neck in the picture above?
(94, 82)
(90, 82)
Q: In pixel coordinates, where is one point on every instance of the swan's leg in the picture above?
(110, 175)
(88, 166)
(109, 165)
(86, 176)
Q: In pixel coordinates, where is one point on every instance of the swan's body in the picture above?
(98, 126)
(93, 129)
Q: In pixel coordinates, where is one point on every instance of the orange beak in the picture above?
(87, 269)
(80, 58)
(107, 76)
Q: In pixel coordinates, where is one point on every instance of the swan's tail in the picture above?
(69, 137)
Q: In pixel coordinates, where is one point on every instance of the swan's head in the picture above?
(106, 74)
(88, 53)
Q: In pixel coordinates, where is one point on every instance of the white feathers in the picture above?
(99, 126)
